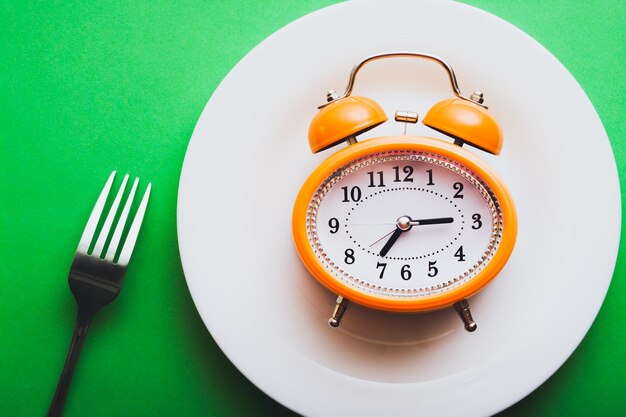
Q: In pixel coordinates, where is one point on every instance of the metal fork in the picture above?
(96, 277)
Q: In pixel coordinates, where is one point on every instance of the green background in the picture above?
(88, 88)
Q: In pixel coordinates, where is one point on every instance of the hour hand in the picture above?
(394, 236)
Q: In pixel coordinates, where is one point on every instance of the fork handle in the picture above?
(78, 338)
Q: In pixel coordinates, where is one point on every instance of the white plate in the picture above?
(249, 155)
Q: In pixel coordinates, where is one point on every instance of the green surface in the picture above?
(88, 88)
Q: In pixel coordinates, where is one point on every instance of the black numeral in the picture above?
(379, 174)
(459, 187)
(432, 269)
(477, 223)
(405, 272)
(382, 265)
(460, 255)
(430, 177)
(408, 170)
(353, 195)
(334, 225)
(349, 259)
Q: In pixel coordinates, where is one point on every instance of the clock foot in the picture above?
(462, 307)
(340, 309)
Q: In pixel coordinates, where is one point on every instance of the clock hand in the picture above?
(440, 220)
(383, 237)
(404, 224)
(395, 235)
(411, 223)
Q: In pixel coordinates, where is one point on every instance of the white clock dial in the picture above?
(404, 224)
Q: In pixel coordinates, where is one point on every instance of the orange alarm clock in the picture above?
(404, 223)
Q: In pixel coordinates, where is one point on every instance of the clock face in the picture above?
(404, 224)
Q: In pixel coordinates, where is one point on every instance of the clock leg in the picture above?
(340, 309)
(462, 307)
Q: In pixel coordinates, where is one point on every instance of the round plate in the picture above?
(249, 155)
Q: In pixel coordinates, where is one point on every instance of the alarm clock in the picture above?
(404, 224)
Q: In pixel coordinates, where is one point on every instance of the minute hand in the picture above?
(439, 220)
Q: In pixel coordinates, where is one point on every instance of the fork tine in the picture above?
(129, 244)
(117, 234)
(92, 223)
(104, 233)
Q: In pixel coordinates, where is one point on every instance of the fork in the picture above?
(96, 277)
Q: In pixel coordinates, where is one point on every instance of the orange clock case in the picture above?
(403, 143)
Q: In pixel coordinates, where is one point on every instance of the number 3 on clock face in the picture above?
(411, 229)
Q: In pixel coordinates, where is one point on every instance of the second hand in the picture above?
(383, 236)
